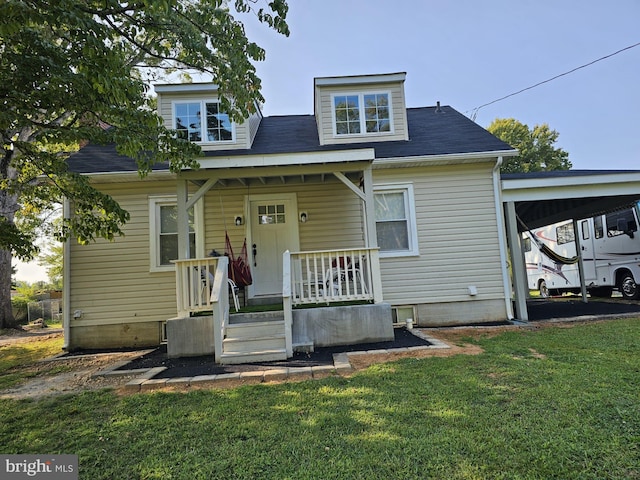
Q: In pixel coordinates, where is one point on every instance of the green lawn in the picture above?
(16, 360)
(550, 403)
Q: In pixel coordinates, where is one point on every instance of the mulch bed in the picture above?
(193, 366)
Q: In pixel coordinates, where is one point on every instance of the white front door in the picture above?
(274, 229)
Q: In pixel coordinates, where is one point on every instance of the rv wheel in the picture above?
(629, 288)
(542, 288)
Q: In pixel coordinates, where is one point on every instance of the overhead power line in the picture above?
(474, 112)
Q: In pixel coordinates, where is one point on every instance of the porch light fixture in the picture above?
(239, 220)
(303, 217)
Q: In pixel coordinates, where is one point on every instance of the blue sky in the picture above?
(466, 53)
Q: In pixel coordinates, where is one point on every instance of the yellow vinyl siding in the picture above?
(324, 113)
(457, 236)
(253, 123)
(335, 219)
(110, 281)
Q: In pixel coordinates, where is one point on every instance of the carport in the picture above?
(533, 200)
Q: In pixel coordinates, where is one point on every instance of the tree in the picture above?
(52, 260)
(536, 147)
(69, 69)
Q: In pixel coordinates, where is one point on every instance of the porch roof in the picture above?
(433, 131)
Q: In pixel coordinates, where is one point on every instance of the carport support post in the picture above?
(583, 286)
(517, 263)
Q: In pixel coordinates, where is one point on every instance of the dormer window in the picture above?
(202, 122)
(364, 113)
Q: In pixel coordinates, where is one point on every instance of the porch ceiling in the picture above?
(284, 175)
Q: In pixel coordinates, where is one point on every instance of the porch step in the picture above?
(253, 344)
(254, 329)
(256, 341)
(255, 317)
(235, 358)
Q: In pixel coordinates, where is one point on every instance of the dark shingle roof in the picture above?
(431, 132)
(94, 158)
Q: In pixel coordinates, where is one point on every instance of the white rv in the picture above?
(610, 247)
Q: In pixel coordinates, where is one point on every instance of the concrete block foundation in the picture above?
(347, 325)
(190, 337)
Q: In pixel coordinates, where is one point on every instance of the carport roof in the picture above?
(543, 198)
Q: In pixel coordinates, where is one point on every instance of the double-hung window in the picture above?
(202, 122)
(163, 230)
(395, 220)
(364, 113)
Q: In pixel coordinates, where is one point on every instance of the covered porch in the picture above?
(297, 255)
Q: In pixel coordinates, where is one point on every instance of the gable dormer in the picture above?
(195, 112)
(363, 108)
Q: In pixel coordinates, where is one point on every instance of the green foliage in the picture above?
(537, 404)
(536, 147)
(53, 262)
(25, 293)
(69, 70)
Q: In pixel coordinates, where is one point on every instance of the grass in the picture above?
(537, 404)
(17, 360)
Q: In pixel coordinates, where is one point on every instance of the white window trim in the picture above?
(157, 201)
(363, 129)
(203, 108)
(412, 225)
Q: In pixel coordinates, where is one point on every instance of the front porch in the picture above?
(325, 279)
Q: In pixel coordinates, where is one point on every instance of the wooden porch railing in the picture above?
(202, 285)
(327, 276)
(194, 282)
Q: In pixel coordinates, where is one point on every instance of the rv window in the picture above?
(597, 226)
(564, 233)
(620, 223)
(585, 230)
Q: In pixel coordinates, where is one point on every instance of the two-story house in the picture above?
(365, 201)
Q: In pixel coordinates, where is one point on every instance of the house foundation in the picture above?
(346, 325)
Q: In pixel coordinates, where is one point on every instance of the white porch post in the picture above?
(183, 219)
(371, 238)
(517, 263)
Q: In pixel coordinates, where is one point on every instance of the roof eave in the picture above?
(445, 159)
(129, 176)
(360, 79)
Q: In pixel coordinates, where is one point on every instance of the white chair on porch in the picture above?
(234, 292)
(344, 269)
(233, 288)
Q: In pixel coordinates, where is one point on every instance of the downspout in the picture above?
(66, 281)
(502, 238)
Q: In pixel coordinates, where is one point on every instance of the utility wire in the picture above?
(474, 111)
